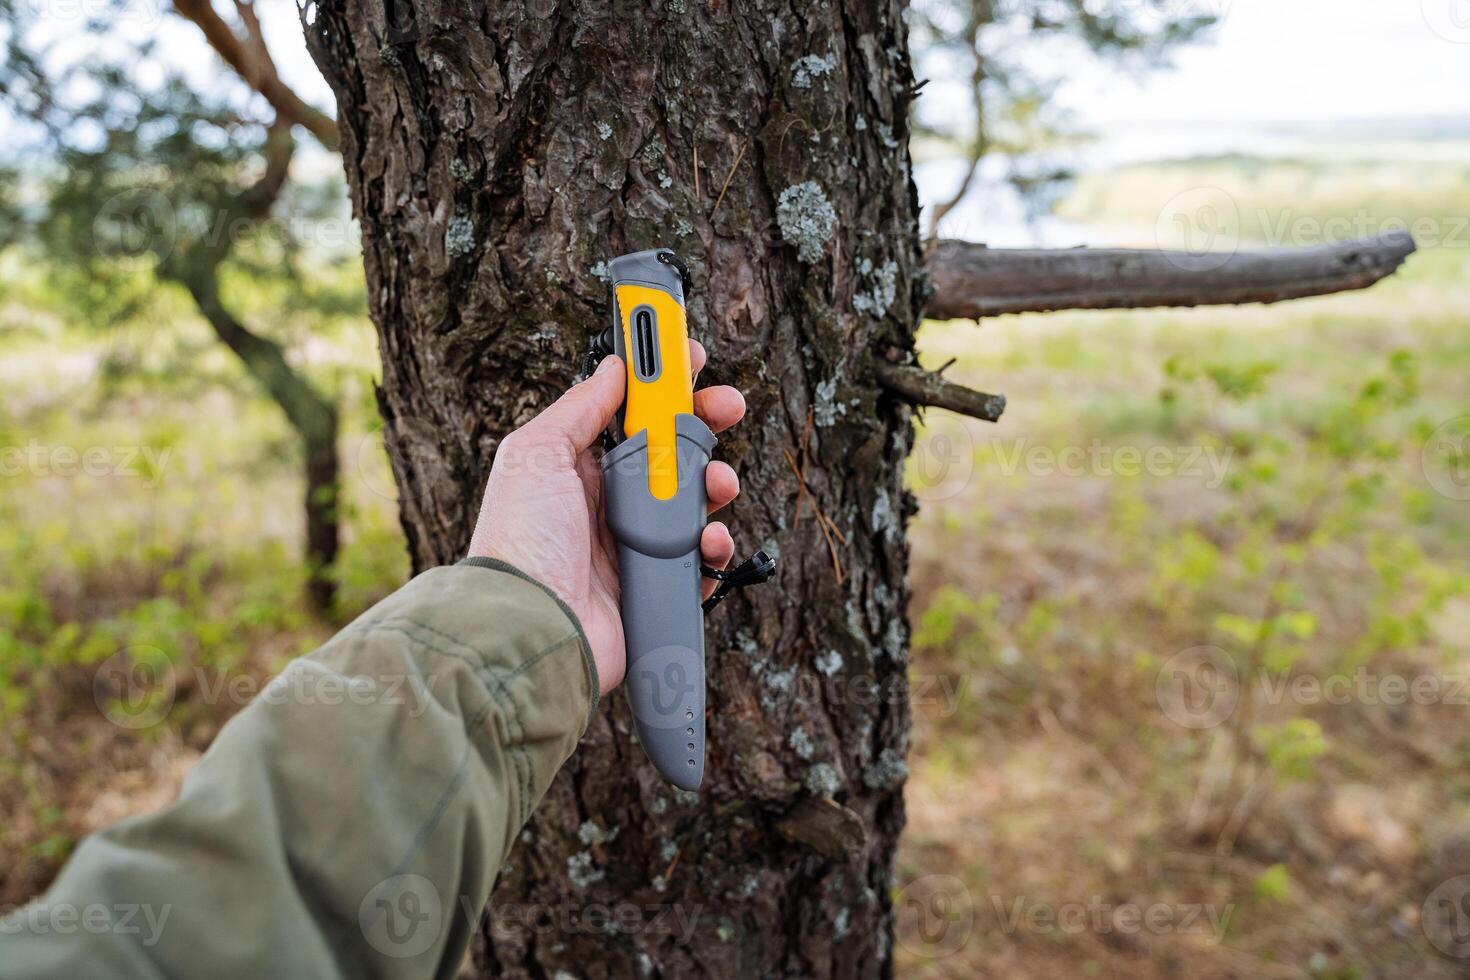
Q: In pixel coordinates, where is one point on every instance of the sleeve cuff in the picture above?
(588, 662)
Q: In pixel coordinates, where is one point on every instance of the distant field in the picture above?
(1300, 521)
(1306, 201)
(1277, 490)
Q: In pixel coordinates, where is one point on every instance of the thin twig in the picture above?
(728, 177)
(823, 524)
(822, 518)
(832, 526)
(806, 434)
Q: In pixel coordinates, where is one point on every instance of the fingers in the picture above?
(721, 485)
(581, 414)
(720, 407)
(716, 548)
(698, 357)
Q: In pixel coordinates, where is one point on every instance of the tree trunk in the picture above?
(497, 154)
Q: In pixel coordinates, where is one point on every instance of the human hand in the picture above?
(542, 510)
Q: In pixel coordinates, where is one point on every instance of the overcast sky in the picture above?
(1285, 60)
(1269, 60)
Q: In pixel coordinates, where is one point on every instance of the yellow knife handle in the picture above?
(655, 349)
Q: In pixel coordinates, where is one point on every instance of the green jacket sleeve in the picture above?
(350, 821)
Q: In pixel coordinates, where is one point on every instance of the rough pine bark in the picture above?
(498, 154)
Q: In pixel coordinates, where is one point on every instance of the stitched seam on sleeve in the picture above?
(516, 758)
(495, 683)
(493, 686)
(392, 622)
(525, 769)
(502, 691)
(589, 662)
(527, 664)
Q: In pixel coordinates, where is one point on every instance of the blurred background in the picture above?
(1191, 672)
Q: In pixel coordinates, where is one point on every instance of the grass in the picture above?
(151, 516)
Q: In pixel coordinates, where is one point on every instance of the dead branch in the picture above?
(251, 60)
(973, 281)
(916, 385)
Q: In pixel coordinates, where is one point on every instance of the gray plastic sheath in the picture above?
(658, 563)
(663, 625)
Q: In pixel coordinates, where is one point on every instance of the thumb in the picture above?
(587, 408)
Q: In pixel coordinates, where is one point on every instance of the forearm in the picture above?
(351, 820)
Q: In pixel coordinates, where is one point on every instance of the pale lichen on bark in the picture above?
(806, 219)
